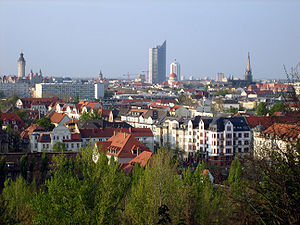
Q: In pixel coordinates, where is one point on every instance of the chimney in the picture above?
(114, 132)
(124, 135)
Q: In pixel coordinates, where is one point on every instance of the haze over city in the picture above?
(78, 39)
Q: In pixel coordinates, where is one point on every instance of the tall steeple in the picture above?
(100, 76)
(248, 73)
(21, 66)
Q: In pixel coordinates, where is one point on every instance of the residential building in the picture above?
(276, 137)
(13, 120)
(217, 139)
(82, 90)
(123, 147)
(20, 89)
(40, 104)
(157, 64)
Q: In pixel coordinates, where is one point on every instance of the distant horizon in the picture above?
(75, 39)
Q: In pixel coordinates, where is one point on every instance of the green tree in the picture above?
(3, 171)
(92, 115)
(277, 107)
(81, 191)
(261, 109)
(159, 186)
(24, 166)
(17, 195)
(45, 122)
(59, 147)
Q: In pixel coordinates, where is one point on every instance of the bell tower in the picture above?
(21, 66)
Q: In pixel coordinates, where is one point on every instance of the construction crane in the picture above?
(147, 72)
(130, 74)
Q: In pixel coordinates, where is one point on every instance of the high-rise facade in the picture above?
(157, 64)
(21, 66)
(175, 68)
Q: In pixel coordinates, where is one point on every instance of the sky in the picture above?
(79, 38)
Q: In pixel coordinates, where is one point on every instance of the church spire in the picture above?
(248, 73)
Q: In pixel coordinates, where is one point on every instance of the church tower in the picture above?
(100, 76)
(21, 66)
(248, 73)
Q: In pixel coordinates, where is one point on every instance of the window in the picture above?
(228, 128)
(246, 142)
(240, 150)
(239, 142)
(228, 136)
(240, 135)
(246, 135)
(228, 142)
(228, 150)
(246, 149)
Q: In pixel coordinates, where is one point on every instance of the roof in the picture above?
(122, 145)
(284, 131)
(142, 159)
(218, 124)
(108, 132)
(9, 117)
(267, 121)
(57, 117)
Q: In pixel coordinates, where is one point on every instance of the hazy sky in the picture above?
(78, 38)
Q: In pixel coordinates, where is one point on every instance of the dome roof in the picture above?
(173, 75)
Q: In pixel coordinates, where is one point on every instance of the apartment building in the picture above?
(217, 139)
(82, 90)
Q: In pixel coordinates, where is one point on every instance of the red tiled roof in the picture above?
(57, 117)
(141, 159)
(267, 121)
(10, 117)
(122, 145)
(284, 131)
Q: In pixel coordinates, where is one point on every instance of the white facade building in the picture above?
(175, 68)
(82, 90)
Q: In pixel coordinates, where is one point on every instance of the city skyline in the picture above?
(73, 39)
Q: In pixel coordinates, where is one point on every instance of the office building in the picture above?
(219, 77)
(82, 90)
(157, 64)
(175, 68)
(21, 66)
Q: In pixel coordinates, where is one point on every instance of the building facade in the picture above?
(157, 64)
(175, 68)
(19, 89)
(82, 90)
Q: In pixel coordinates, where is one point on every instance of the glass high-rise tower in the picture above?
(157, 64)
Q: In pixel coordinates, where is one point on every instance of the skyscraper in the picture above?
(175, 68)
(21, 66)
(248, 73)
(157, 64)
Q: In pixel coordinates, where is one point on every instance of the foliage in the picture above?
(185, 100)
(159, 185)
(16, 195)
(45, 122)
(277, 107)
(81, 192)
(92, 115)
(24, 166)
(222, 92)
(261, 109)
(233, 110)
(59, 147)
(3, 170)
(11, 101)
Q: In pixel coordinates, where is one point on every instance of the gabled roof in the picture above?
(57, 117)
(10, 117)
(122, 145)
